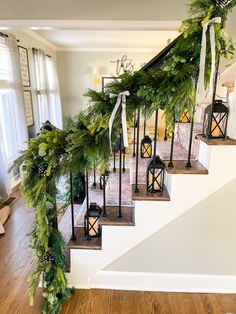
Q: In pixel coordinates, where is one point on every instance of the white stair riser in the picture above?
(185, 191)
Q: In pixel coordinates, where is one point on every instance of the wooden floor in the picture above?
(16, 264)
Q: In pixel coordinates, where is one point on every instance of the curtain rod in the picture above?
(38, 50)
(3, 35)
(6, 36)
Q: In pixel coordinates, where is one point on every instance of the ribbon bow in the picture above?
(202, 94)
(121, 100)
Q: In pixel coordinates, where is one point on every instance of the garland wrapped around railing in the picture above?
(53, 153)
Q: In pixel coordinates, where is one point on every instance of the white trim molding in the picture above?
(139, 281)
(91, 25)
(110, 49)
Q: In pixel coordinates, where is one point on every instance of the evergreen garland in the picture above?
(53, 153)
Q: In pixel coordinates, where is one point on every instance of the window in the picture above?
(49, 106)
(7, 116)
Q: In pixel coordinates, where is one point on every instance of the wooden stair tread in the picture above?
(215, 141)
(144, 195)
(180, 167)
(113, 220)
(82, 243)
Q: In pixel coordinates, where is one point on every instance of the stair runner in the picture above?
(128, 179)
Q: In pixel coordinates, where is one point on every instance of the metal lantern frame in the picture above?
(215, 120)
(146, 147)
(155, 170)
(92, 229)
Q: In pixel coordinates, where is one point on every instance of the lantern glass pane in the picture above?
(185, 118)
(158, 179)
(218, 125)
(93, 226)
(147, 150)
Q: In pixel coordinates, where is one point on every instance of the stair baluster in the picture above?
(87, 207)
(134, 139)
(73, 237)
(136, 189)
(170, 164)
(120, 178)
(188, 164)
(144, 122)
(94, 175)
(155, 152)
(104, 213)
(114, 159)
(123, 159)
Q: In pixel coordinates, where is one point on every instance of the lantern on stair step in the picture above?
(185, 118)
(146, 147)
(104, 179)
(215, 120)
(91, 221)
(155, 175)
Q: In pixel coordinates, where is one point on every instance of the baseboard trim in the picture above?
(192, 283)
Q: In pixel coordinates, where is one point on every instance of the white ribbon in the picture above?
(204, 95)
(121, 100)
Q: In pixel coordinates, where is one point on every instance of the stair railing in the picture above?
(171, 164)
(136, 189)
(155, 152)
(87, 206)
(188, 164)
(134, 139)
(120, 176)
(73, 237)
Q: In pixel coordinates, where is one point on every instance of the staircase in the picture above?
(143, 215)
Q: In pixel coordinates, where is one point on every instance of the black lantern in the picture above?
(146, 147)
(215, 120)
(185, 118)
(103, 179)
(48, 126)
(91, 221)
(155, 175)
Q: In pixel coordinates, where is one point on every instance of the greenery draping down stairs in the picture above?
(52, 153)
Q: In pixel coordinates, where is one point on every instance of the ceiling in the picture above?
(105, 40)
(101, 25)
(93, 10)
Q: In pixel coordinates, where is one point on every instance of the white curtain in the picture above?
(5, 184)
(13, 130)
(17, 96)
(49, 104)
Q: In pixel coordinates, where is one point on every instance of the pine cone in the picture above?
(49, 256)
(222, 3)
(42, 170)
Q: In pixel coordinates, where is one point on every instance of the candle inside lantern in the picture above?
(93, 226)
(215, 130)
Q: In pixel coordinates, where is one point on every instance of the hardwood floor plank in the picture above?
(227, 302)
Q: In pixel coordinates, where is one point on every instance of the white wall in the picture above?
(75, 70)
(201, 241)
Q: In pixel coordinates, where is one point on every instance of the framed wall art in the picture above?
(106, 80)
(24, 66)
(28, 108)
